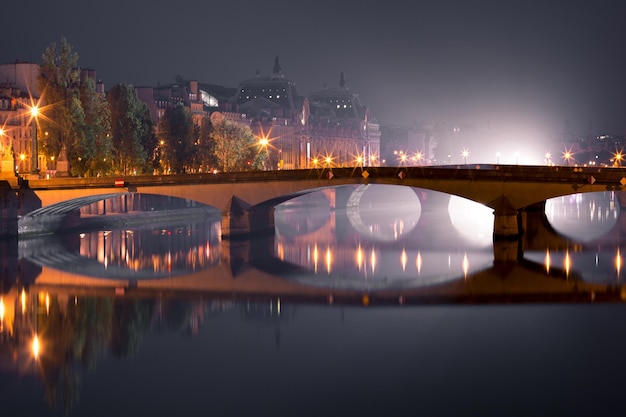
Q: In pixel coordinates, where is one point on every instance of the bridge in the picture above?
(246, 200)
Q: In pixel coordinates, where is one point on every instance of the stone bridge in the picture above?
(247, 199)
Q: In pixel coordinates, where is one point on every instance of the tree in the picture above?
(128, 128)
(64, 118)
(236, 148)
(204, 152)
(176, 131)
(97, 128)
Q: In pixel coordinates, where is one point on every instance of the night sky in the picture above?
(519, 67)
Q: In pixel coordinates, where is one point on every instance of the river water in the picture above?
(395, 303)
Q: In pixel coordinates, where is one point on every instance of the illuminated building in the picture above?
(329, 125)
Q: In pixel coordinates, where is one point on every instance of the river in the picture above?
(398, 304)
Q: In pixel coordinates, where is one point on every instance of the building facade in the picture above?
(19, 91)
(328, 128)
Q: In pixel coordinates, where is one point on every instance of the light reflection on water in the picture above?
(587, 240)
(115, 353)
(385, 238)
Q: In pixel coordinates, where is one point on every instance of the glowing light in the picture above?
(23, 301)
(36, 347)
(568, 155)
(1, 309)
(617, 158)
(329, 260)
(373, 260)
(359, 256)
(403, 260)
(547, 261)
(548, 158)
(618, 262)
(418, 262)
(567, 263)
(465, 265)
(465, 154)
(419, 156)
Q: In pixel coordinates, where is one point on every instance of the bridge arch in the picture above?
(505, 189)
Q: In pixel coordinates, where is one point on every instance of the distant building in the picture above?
(341, 125)
(408, 145)
(200, 99)
(304, 131)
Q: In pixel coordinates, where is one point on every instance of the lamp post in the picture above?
(465, 154)
(34, 162)
(263, 142)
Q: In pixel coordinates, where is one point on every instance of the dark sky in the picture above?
(517, 65)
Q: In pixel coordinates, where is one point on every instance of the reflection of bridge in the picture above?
(247, 200)
(245, 273)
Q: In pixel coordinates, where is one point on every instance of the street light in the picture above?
(618, 159)
(465, 154)
(548, 157)
(34, 163)
(567, 155)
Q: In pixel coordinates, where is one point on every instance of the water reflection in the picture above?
(584, 236)
(386, 237)
(206, 321)
(583, 217)
(140, 253)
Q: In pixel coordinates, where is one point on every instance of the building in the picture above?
(340, 125)
(200, 99)
(19, 90)
(19, 130)
(329, 128)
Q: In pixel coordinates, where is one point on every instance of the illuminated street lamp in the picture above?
(465, 154)
(419, 156)
(34, 163)
(567, 155)
(618, 159)
(548, 158)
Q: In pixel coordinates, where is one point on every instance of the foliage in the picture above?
(176, 131)
(204, 159)
(97, 128)
(64, 121)
(236, 148)
(128, 129)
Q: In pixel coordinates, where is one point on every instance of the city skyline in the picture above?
(525, 69)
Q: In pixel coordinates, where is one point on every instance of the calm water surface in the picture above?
(369, 302)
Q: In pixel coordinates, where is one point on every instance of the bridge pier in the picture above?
(8, 210)
(242, 219)
(506, 220)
